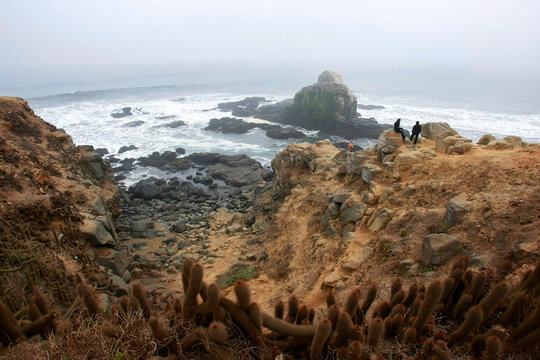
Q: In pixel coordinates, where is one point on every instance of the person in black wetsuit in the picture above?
(416, 130)
(399, 129)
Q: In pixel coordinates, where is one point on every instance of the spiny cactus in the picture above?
(463, 304)
(302, 314)
(531, 323)
(395, 287)
(88, 297)
(409, 337)
(322, 333)
(493, 348)
(533, 278)
(211, 302)
(448, 287)
(111, 331)
(194, 285)
(442, 350)
(516, 307)
(41, 303)
(279, 310)
(477, 285)
(293, 307)
(333, 314)
(33, 311)
(343, 329)
(383, 310)
(133, 305)
(244, 321)
(39, 325)
(138, 292)
(330, 299)
(433, 294)
(371, 294)
(243, 294)
(493, 298)
(218, 332)
(397, 298)
(375, 331)
(529, 341)
(411, 295)
(352, 302)
(255, 315)
(472, 321)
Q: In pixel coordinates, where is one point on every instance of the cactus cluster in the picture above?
(466, 314)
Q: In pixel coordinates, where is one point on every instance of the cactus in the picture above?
(218, 332)
(111, 331)
(409, 337)
(245, 322)
(388, 328)
(493, 348)
(529, 341)
(63, 327)
(302, 314)
(186, 270)
(243, 294)
(88, 297)
(357, 333)
(352, 302)
(333, 314)
(531, 323)
(478, 345)
(442, 350)
(493, 298)
(255, 315)
(177, 307)
(124, 303)
(411, 295)
(33, 311)
(189, 340)
(285, 328)
(433, 294)
(514, 310)
(398, 309)
(211, 302)
(472, 321)
(194, 285)
(355, 351)
(138, 292)
(375, 331)
(279, 310)
(463, 304)
(41, 303)
(330, 299)
(477, 285)
(383, 310)
(416, 307)
(321, 335)
(533, 278)
(397, 298)
(395, 287)
(293, 307)
(39, 325)
(133, 305)
(372, 293)
(311, 315)
(448, 286)
(343, 329)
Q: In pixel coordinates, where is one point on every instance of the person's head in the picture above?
(418, 123)
(350, 142)
(398, 120)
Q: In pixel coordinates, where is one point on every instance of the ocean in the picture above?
(82, 104)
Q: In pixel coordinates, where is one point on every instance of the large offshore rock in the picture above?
(321, 105)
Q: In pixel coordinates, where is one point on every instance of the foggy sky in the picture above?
(483, 35)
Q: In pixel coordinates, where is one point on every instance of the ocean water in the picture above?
(82, 105)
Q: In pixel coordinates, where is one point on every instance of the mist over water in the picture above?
(82, 105)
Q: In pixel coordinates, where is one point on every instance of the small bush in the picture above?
(236, 272)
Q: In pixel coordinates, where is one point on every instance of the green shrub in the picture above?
(236, 272)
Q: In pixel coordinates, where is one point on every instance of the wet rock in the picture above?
(174, 124)
(370, 107)
(166, 161)
(145, 189)
(123, 149)
(245, 107)
(228, 125)
(133, 123)
(438, 249)
(284, 133)
(126, 111)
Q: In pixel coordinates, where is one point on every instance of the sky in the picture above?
(477, 35)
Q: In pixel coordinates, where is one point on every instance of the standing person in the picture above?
(399, 129)
(350, 147)
(416, 130)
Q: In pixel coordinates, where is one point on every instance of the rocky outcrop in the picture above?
(228, 125)
(438, 249)
(435, 130)
(123, 113)
(322, 105)
(284, 133)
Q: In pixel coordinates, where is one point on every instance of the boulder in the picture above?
(354, 213)
(119, 286)
(435, 130)
(174, 124)
(245, 107)
(356, 259)
(499, 144)
(369, 172)
(133, 123)
(514, 140)
(123, 149)
(229, 125)
(379, 219)
(455, 209)
(95, 233)
(409, 158)
(141, 225)
(388, 142)
(340, 197)
(443, 143)
(460, 147)
(354, 163)
(145, 189)
(437, 249)
(178, 227)
(284, 133)
(370, 107)
(486, 139)
(205, 158)
(112, 259)
(330, 77)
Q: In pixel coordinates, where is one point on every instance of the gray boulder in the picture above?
(369, 172)
(437, 249)
(95, 233)
(456, 208)
(284, 133)
(145, 189)
(379, 219)
(389, 141)
(354, 213)
(112, 259)
(178, 227)
(486, 139)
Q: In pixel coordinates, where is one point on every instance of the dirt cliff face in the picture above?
(350, 219)
(47, 186)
